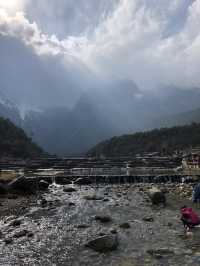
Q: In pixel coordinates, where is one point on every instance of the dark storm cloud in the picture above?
(66, 45)
(34, 81)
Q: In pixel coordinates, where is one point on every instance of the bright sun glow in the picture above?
(11, 5)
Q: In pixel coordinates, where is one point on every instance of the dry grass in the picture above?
(7, 175)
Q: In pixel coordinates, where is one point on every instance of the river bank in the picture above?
(53, 228)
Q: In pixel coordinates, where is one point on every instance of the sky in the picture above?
(52, 51)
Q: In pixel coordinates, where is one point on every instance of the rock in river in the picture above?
(103, 218)
(23, 185)
(159, 252)
(15, 223)
(43, 185)
(21, 233)
(69, 189)
(93, 197)
(148, 219)
(3, 190)
(104, 243)
(125, 226)
(8, 241)
(156, 196)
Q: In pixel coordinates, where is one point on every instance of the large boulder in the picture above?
(104, 243)
(3, 189)
(83, 181)
(69, 189)
(103, 218)
(156, 196)
(43, 185)
(23, 185)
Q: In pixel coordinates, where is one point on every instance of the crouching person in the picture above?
(189, 218)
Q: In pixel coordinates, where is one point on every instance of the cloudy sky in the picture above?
(55, 49)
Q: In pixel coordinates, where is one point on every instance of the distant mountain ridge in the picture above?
(184, 118)
(164, 140)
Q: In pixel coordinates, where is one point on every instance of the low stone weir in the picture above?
(123, 179)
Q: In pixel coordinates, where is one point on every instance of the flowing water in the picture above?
(58, 240)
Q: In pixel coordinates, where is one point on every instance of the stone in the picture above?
(92, 197)
(8, 241)
(21, 233)
(83, 226)
(15, 223)
(169, 224)
(69, 189)
(43, 202)
(156, 196)
(25, 185)
(160, 252)
(103, 218)
(105, 200)
(113, 231)
(30, 234)
(3, 189)
(148, 219)
(104, 243)
(102, 234)
(72, 204)
(43, 185)
(125, 225)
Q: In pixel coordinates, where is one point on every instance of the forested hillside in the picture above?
(165, 140)
(15, 143)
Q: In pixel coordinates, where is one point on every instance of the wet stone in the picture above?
(43, 202)
(156, 196)
(93, 197)
(148, 219)
(113, 231)
(3, 190)
(21, 233)
(125, 226)
(69, 189)
(72, 204)
(105, 200)
(8, 241)
(30, 234)
(103, 219)
(15, 223)
(160, 252)
(169, 224)
(43, 185)
(83, 226)
(104, 243)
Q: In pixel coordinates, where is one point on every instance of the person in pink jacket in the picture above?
(189, 218)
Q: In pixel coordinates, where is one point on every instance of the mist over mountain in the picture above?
(122, 108)
(99, 116)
